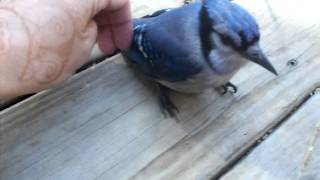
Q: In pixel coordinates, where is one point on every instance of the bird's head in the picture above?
(235, 28)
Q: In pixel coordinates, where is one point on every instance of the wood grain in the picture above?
(291, 153)
(106, 124)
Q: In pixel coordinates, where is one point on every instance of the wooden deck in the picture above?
(104, 123)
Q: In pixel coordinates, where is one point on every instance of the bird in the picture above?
(194, 47)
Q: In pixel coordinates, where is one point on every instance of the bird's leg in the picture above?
(157, 13)
(187, 2)
(166, 105)
(229, 87)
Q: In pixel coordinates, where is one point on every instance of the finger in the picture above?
(82, 48)
(85, 10)
(107, 5)
(105, 40)
(122, 35)
(118, 27)
(114, 16)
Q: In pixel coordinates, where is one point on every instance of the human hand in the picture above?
(43, 42)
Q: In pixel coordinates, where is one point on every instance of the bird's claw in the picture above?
(185, 2)
(229, 87)
(168, 108)
(157, 13)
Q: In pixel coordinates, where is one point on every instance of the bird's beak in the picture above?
(257, 56)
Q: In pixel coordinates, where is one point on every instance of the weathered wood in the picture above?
(292, 152)
(105, 124)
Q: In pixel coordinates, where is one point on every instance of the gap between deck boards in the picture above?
(262, 137)
(98, 58)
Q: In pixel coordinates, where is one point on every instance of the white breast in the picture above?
(225, 65)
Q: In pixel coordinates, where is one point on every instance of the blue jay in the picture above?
(195, 47)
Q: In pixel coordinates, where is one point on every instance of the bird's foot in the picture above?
(168, 108)
(157, 13)
(187, 2)
(229, 87)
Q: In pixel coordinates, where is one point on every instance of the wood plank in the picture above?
(292, 152)
(105, 124)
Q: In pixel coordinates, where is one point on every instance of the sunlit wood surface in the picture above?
(105, 123)
(291, 152)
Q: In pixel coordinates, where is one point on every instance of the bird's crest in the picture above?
(233, 23)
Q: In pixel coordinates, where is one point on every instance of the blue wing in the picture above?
(157, 53)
